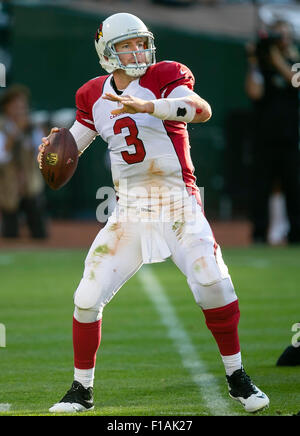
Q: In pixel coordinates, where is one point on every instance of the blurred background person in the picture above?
(21, 183)
(276, 130)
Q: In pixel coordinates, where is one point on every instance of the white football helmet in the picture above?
(117, 28)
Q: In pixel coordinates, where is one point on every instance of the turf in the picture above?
(139, 371)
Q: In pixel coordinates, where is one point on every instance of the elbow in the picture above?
(254, 91)
(203, 114)
(207, 113)
(255, 94)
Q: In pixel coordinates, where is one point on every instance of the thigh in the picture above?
(195, 250)
(113, 258)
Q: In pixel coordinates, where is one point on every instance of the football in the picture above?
(60, 158)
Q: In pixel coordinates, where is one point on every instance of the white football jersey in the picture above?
(150, 158)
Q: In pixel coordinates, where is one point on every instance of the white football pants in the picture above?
(122, 247)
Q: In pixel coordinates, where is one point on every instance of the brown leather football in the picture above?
(60, 158)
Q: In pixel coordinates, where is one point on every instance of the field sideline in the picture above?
(157, 358)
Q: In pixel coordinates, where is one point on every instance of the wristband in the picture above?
(173, 109)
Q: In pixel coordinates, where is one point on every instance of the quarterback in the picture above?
(141, 108)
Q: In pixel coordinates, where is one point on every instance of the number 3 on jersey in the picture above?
(130, 139)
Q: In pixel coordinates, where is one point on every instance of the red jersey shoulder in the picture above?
(164, 76)
(86, 96)
(88, 93)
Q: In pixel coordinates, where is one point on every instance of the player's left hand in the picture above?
(130, 105)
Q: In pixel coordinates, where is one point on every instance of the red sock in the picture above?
(86, 341)
(223, 323)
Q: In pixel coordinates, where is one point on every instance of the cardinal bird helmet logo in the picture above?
(99, 33)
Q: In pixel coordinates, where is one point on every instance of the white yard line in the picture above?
(206, 382)
(5, 407)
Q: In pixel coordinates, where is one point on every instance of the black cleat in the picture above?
(77, 399)
(243, 390)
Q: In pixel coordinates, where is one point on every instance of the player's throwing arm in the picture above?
(189, 109)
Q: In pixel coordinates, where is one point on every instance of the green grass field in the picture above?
(139, 369)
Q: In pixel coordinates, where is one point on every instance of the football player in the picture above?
(141, 109)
